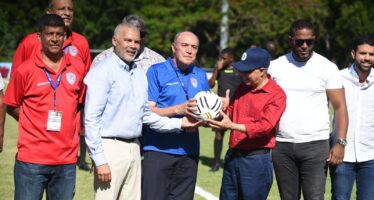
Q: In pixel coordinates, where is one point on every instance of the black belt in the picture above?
(121, 139)
(243, 153)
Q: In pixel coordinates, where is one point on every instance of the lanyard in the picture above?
(54, 86)
(180, 80)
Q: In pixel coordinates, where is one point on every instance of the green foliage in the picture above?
(166, 18)
(254, 22)
(354, 18)
(251, 22)
(17, 18)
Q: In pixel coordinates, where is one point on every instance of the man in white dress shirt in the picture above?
(358, 163)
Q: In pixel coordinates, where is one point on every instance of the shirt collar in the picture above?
(174, 66)
(122, 64)
(40, 63)
(353, 73)
(266, 88)
(143, 54)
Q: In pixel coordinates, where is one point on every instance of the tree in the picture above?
(348, 20)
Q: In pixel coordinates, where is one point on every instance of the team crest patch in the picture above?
(70, 77)
(73, 50)
(193, 82)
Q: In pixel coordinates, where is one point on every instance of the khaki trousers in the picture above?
(125, 165)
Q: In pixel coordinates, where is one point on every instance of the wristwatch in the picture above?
(342, 142)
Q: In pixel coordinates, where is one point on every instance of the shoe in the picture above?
(215, 167)
(83, 166)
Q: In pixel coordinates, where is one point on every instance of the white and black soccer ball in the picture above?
(208, 105)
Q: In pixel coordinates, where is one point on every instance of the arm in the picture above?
(96, 99)
(86, 56)
(13, 97)
(217, 69)
(226, 123)
(337, 99)
(2, 120)
(13, 111)
(165, 124)
(266, 123)
(186, 108)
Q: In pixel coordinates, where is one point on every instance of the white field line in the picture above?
(205, 194)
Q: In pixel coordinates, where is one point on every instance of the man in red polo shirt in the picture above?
(253, 117)
(44, 95)
(75, 45)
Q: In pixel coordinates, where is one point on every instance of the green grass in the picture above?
(209, 181)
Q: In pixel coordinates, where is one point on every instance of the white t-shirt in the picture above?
(360, 106)
(306, 117)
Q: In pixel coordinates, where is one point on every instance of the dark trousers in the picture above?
(301, 166)
(247, 176)
(168, 177)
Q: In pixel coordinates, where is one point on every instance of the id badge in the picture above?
(54, 120)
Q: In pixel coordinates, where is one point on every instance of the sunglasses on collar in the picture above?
(300, 42)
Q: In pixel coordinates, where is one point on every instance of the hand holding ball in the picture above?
(208, 105)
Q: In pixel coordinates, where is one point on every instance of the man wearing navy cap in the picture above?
(253, 116)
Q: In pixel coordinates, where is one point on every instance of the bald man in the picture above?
(170, 162)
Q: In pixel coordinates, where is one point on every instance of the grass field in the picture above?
(210, 182)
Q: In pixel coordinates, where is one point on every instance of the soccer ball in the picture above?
(208, 105)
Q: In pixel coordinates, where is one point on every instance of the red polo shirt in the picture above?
(76, 46)
(30, 90)
(259, 110)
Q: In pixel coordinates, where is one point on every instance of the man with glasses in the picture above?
(302, 149)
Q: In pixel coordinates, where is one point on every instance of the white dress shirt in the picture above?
(360, 106)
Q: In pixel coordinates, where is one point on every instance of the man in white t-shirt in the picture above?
(302, 150)
(358, 163)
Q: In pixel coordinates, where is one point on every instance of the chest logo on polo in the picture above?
(72, 50)
(193, 82)
(70, 77)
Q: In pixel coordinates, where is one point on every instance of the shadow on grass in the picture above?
(207, 161)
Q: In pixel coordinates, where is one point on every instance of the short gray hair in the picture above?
(121, 25)
(136, 20)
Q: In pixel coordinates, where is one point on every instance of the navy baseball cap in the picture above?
(253, 58)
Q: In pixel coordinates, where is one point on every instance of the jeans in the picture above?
(30, 180)
(301, 166)
(344, 175)
(246, 177)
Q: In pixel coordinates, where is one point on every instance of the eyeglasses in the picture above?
(300, 42)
